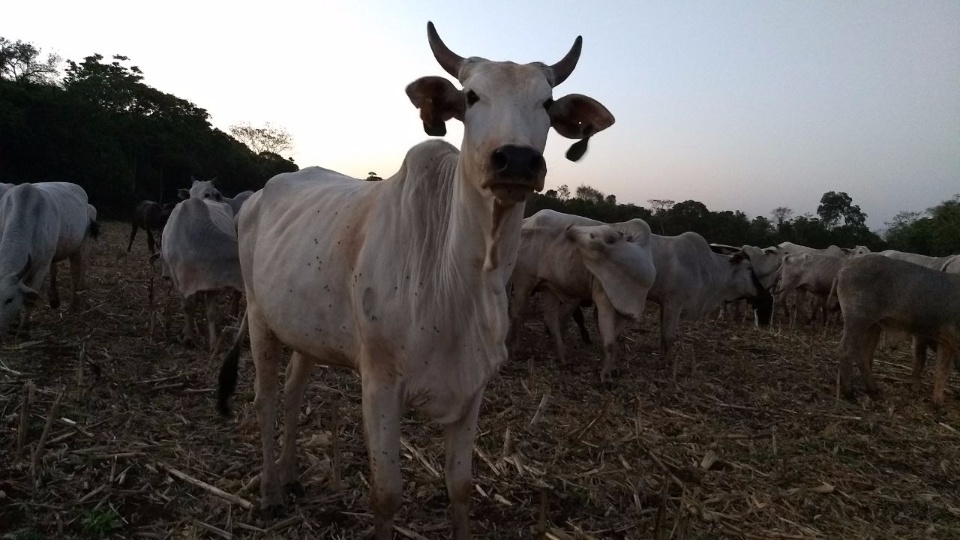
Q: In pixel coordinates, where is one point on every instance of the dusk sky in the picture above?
(740, 105)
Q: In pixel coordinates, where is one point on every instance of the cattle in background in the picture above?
(237, 202)
(201, 189)
(933, 263)
(572, 258)
(151, 217)
(693, 281)
(404, 280)
(41, 224)
(810, 272)
(200, 256)
(881, 293)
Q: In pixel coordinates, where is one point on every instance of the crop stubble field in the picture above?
(750, 442)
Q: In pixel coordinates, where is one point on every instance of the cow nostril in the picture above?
(500, 161)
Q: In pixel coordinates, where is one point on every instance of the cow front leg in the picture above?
(610, 325)
(298, 376)
(52, 293)
(945, 359)
(460, 438)
(381, 424)
(919, 360)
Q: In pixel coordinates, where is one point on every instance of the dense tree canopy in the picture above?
(102, 127)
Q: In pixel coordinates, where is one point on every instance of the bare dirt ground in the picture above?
(750, 442)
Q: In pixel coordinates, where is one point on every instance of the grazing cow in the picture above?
(693, 281)
(933, 263)
(151, 217)
(201, 257)
(810, 272)
(237, 202)
(39, 225)
(404, 280)
(881, 293)
(572, 258)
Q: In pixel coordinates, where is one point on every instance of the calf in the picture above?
(572, 258)
(879, 293)
(152, 217)
(810, 272)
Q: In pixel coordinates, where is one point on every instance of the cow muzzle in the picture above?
(517, 171)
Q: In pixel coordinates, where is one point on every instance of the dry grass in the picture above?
(750, 443)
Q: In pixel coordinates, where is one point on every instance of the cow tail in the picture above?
(93, 230)
(228, 371)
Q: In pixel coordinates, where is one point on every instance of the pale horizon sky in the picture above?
(741, 105)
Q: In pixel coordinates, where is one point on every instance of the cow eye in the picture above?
(548, 103)
(472, 97)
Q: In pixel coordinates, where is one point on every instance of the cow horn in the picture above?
(26, 268)
(562, 69)
(449, 60)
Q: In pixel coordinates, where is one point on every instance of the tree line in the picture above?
(837, 222)
(99, 125)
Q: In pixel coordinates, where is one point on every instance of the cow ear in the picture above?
(29, 295)
(438, 100)
(184, 194)
(622, 269)
(579, 117)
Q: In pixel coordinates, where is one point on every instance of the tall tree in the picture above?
(781, 215)
(836, 205)
(20, 62)
(268, 138)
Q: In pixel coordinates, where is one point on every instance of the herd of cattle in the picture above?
(419, 282)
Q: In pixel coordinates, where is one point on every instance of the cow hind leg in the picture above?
(133, 234)
(669, 323)
(381, 423)
(78, 273)
(459, 438)
(212, 316)
(189, 307)
(265, 349)
(551, 318)
(298, 376)
(857, 346)
(919, 360)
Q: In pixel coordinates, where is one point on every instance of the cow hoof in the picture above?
(271, 512)
(295, 488)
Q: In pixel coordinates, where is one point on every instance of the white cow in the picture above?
(573, 258)
(39, 225)
(237, 202)
(201, 189)
(882, 293)
(200, 255)
(693, 281)
(404, 280)
(810, 272)
(933, 263)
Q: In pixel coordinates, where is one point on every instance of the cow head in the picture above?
(13, 293)
(747, 285)
(201, 189)
(624, 269)
(507, 110)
